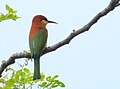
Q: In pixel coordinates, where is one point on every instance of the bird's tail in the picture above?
(36, 69)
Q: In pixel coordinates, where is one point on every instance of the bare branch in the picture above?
(104, 12)
(11, 60)
(110, 7)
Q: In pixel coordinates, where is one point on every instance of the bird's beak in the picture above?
(52, 22)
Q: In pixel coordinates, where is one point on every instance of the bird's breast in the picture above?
(35, 30)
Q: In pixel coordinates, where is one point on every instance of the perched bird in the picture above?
(37, 41)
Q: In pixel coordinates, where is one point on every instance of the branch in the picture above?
(118, 4)
(110, 7)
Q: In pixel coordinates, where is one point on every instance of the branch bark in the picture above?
(112, 5)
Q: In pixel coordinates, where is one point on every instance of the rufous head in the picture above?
(41, 20)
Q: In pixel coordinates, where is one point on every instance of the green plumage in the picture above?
(37, 42)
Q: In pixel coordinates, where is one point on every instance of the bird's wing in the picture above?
(38, 42)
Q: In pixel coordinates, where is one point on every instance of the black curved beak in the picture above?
(52, 22)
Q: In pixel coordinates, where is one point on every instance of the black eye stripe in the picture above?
(43, 18)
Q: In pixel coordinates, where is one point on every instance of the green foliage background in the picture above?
(11, 14)
(23, 79)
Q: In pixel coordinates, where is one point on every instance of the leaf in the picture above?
(54, 85)
(10, 82)
(27, 70)
(43, 84)
(2, 80)
(48, 84)
(10, 15)
(27, 51)
(60, 83)
(42, 77)
(56, 76)
(48, 78)
(35, 81)
(9, 9)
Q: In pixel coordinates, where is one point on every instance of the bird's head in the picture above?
(41, 20)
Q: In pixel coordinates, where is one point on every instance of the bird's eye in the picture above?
(45, 19)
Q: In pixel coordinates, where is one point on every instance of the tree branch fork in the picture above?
(112, 5)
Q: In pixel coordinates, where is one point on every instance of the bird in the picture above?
(37, 41)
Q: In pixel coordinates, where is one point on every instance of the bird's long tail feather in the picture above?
(36, 69)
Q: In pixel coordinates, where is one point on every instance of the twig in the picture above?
(118, 4)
